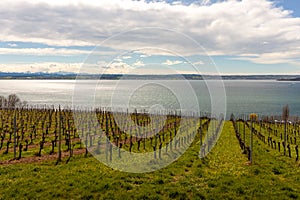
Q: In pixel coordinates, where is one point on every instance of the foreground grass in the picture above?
(223, 174)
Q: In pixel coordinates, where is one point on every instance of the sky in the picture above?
(230, 37)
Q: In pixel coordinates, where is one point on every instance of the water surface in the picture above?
(242, 96)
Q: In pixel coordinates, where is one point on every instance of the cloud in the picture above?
(42, 51)
(52, 52)
(198, 63)
(230, 27)
(272, 57)
(117, 68)
(49, 67)
(52, 67)
(117, 60)
(12, 45)
(126, 57)
(169, 62)
(205, 2)
(138, 64)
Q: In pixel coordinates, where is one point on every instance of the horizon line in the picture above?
(119, 74)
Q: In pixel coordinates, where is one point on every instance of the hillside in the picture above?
(224, 174)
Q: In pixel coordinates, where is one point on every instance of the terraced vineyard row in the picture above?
(279, 136)
(40, 132)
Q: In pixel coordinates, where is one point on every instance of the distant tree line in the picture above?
(12, 101)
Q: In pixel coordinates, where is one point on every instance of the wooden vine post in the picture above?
(200, 131)
(285, 117)
(15, 135)
(253, 118)
(59, 135)
(244, 131)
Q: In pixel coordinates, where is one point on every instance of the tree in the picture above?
(3, 101)
(13, 100)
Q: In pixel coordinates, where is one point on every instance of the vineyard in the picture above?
(55, 152)
(48, 133)
(279, 136)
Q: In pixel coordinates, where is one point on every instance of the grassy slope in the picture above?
(224, 173)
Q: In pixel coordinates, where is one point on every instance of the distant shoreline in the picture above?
(73, 76)
(291, 79)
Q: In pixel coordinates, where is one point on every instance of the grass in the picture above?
(223, 174)
(34, 126)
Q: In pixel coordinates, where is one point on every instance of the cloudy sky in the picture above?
(150, 37)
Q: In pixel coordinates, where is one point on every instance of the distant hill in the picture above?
(289, 79)
(72, 76)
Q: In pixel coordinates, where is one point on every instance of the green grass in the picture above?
(223, 174)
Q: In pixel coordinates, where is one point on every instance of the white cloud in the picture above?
(117, 60)
(12, 45)
(169, 62)
(138, 64)
(205, 2)
(198, 63)
(51, 52)
(230, 28)
(49, 67)
(117, 68)
(52, 67)
(126, 57)
(42, 51)
(271, 58)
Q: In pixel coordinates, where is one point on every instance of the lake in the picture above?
(264, 97)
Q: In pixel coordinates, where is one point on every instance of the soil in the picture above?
(46, 157)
